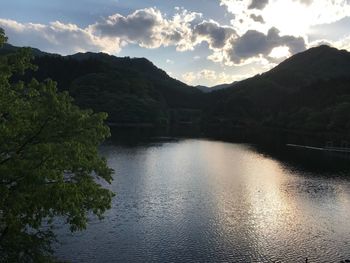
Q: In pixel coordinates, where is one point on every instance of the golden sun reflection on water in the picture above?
(274, 207)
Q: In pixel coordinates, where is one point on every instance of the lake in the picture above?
(197, 200)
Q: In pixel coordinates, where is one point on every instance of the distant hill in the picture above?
(307, 92)
(206, 89)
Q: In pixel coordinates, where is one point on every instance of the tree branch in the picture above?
(29, 140)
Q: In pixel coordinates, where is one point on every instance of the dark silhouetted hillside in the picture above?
(206, 89)
(308, 92)
(131, 90)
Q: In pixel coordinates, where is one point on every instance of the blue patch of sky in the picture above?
(85, 12)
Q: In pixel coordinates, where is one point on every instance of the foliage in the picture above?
(49, 162)
(130, 90)
(130, 100)
(3, 38)
(303, 93)
(310, 92)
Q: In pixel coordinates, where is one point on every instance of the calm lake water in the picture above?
(210, 201)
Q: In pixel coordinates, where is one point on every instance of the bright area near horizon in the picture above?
(200, 42)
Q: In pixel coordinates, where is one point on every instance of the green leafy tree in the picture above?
(49, 162)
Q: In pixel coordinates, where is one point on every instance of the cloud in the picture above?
(343, 43)
(139, 27)
(253, 41)
(258, 4)
(57, 37)
(211, 77)
(257, 18)
(207, 74)
(261, 4)
(292, 17)
(306, 2)
(332, 31)
(279, 52)
(203, 76)
(213, 33)
(149, 28)
(189, 77)
(255, 44)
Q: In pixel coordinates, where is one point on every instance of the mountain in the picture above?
(206, 89)
(130, 90)
(7, 48)
(307, 92)
(202, 88)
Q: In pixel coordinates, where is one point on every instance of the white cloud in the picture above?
(207, 74)
(343, 43)
(57, 37)
(149, 28)
(291, 17)
(189, 77)
(261, 31)
(280, 52)
(211, 77)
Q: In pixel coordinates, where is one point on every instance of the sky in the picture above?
(200, 42)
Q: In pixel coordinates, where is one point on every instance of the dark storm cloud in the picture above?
(55, 37)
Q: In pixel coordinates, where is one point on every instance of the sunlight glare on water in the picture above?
(209, 201)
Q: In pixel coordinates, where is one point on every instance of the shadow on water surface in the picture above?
(274, 143)
(307, 160)
(270, 144)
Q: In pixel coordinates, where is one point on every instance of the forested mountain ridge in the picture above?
(310, 91)
(130, 90)
(318, 63)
